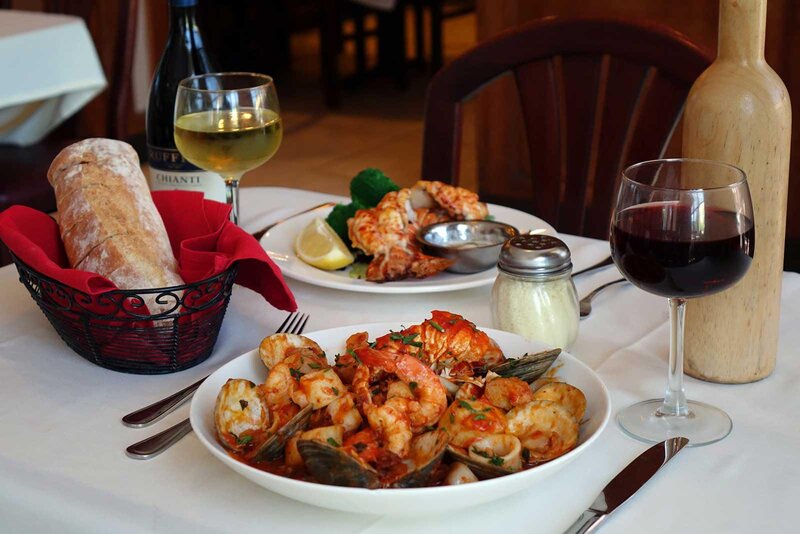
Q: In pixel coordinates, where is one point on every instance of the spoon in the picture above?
(586, 302)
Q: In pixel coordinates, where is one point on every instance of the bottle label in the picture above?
(168, 170)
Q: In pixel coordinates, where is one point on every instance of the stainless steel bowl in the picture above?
(473, 246)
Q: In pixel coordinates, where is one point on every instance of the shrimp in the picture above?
(345, 363)
(460, 203)
(446, 340)
(282, 386)
(469, 420)
(277, 347)
(343, 412)
(391, 421)
(241, 417)
(386, 232)
(506, 393)
(545, 428)
(429, 398)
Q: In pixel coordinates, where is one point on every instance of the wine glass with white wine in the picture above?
(228, 123)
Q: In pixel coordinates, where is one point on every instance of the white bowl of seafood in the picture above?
(383, 418)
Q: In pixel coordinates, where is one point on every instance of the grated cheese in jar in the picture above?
(533, 295)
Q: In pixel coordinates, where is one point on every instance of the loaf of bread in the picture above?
(108, 222)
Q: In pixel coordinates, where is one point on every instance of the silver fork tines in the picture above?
(155, 445)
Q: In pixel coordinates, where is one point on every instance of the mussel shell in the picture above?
(430, 448)
(331, 465)
(482, 471)
(272, 447)
(528, 367)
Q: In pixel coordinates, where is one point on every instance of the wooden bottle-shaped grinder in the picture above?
(738, 112)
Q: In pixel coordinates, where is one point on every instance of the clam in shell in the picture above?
(272, 447)
(331, 464)
(528, 367)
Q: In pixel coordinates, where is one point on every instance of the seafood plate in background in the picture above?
(370, 436)
(279, 243)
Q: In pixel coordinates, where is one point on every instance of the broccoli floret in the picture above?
(368, 187)
(338, 219)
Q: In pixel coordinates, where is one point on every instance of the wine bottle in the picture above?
(183, 56)
(738, 111)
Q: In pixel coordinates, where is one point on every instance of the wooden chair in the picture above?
(23, 178)
(596, 95)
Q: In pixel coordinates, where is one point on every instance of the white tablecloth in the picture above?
(50, 71)
(63, 466)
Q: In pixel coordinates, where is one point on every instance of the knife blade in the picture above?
(626, 483)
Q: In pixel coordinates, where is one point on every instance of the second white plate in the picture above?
(279, 244)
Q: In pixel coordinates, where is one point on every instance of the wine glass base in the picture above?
(705, 424)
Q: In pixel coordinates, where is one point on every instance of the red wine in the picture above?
(671, 250)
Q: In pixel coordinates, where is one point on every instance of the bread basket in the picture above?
(115, 330)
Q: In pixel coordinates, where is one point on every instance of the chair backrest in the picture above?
(596, 95)
(119, 70)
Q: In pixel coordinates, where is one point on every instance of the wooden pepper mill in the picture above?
(738, 112)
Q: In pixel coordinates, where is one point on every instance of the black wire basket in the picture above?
(115, 329)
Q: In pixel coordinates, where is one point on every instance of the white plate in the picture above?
(279, 244)
(398, 501)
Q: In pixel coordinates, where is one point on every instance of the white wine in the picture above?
(229, 142)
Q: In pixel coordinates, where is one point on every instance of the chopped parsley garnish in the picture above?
(480, 453)
(352, 353)
(372, 345)
(314, 365)
(436, 325)
(412, 386)
(406, 340)
(489, 217)
(376, 391)
(468, 406)
(335, 390)
(479, 417)
(244, 440)
(526, 455)
(296, 374)
(452, 418)
(494, 460)
(333, 442)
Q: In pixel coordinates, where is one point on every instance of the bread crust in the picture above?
(108, 222)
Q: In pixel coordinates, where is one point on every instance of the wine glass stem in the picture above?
(232, 196)
(675, 397)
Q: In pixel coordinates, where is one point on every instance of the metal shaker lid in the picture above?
(535, 255)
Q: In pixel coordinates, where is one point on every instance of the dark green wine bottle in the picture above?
(184, 56)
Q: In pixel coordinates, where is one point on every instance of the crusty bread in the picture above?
(108, 222)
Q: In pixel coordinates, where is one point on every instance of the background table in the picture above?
(62, 445)
(51, 70)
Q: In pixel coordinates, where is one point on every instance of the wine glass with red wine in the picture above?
(681, 229)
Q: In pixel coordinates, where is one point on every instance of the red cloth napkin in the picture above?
(202, 238)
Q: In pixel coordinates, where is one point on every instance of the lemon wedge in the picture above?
(319, 246)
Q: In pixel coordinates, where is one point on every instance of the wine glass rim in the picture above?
(742, 175)
(268, 80)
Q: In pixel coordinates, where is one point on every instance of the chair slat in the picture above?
(596, 94)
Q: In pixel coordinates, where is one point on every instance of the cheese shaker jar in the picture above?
(534, 295)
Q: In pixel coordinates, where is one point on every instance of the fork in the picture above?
(158, 443)
(152, 413)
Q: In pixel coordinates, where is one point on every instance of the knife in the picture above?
(626, 483)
